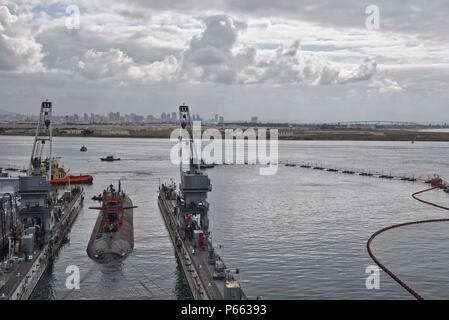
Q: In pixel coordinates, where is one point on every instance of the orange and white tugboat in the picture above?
(60, 176)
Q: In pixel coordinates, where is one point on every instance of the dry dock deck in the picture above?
(213, 288)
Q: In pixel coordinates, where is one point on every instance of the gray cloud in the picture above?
(426, 18)
(245, 54)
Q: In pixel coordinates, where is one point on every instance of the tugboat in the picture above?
(112, 239)
(185, 214)
(83, 148)
(109, 159)
(40, 223)
(60, 177)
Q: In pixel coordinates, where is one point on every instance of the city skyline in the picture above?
(116, 117)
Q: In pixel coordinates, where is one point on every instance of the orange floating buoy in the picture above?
(436, 182)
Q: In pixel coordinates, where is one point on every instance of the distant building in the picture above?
(138, 119)
(174, 117)
(216, 118)
(221, 119)
(150, 118)
(254, 119)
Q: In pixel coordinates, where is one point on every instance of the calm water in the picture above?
(298, 234)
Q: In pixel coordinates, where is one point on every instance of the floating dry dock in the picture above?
(37, 237)
(40, 223)
(185, 214)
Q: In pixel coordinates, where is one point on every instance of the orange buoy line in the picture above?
(435, 185)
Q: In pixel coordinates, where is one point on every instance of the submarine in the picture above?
(112, 238)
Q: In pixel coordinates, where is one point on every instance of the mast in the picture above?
(43, 134)
(186, 123)
(194, 184)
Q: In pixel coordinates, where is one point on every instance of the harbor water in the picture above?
(298, 234)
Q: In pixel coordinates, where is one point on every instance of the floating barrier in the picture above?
(347, 171)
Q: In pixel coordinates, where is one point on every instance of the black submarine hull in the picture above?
(110, 247)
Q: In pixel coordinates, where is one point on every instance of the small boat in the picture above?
(204, 165)
(109, 158)
(83, 148)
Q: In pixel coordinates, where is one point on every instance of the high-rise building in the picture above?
(174, 117)
(216, 118)
(254, 119)
(221, 119)
(150, 118)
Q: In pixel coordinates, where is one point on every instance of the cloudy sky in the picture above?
(287, 60)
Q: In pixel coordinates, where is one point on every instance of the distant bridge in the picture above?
(378, 123)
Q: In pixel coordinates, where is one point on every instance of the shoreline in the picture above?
(163, 131)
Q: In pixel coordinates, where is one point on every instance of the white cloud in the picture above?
(385, 85)
(212, 56)
(18, 49)
(116, 65)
